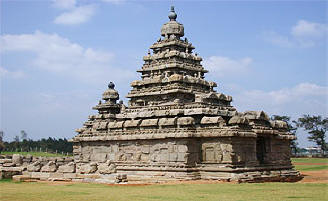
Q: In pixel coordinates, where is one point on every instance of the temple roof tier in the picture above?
(173, 53)
(173, 78)
(172, 42)
(169, 66)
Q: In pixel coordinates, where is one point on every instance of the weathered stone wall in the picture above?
(239, 151)
(183, 151)
(17, 164)
(278, 153)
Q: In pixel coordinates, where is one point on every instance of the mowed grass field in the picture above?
(10, 190)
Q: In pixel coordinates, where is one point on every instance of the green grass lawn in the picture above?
(297, 162)
(222, 191)
(310, 160)
(10, 190)
(33, 153)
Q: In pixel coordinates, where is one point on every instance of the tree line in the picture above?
(23, 144)
(316, 127)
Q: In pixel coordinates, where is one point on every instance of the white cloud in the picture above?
(60, 56)
(277, 39)
(304, 34)
(4, 73)
(304, 98)
(77, 15)
(114, 1)
(304, 28)
(222, 66)
(64, 4)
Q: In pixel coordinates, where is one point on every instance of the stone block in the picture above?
(5, 160)
(56, 175)
(182, 148)
(184, 121)
(9, 165)
(181, 157)
(238, 120)
(87, 168)
(167, 121)
(98, 157)
(9, 172)
(68, 168)
(164, 157)
(145, 149)
(17, 159)
(34, 167)
(173, 157)
(51, 166)
(19, 178)
(40, 175)
(107, 168)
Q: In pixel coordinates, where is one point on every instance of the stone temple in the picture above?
(175, 127)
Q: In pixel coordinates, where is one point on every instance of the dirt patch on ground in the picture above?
(199, 182)
(320, 176)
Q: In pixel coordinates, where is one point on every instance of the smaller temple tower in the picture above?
(109, 106)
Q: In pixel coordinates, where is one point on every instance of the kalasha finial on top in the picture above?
(172, 14)
(111, 85)
(172, 29)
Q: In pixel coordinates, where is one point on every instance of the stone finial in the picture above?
(172, 14)
(111, 85)
(172, 29)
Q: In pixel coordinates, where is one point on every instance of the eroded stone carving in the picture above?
(51, 166)
(34, 167)
(17, 159)
(68, 168)
(87, 168)
(107, 168)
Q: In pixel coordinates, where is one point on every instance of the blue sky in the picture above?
(57, 57)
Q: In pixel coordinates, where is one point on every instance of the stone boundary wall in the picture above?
(29, 168)
(16, 164)
(20, 168)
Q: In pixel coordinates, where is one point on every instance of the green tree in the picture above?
(317, 128)
(2, 146)
(23, 135)
(291, 128)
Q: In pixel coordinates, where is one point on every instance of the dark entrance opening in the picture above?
(260, 149)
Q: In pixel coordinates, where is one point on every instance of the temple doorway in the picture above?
(260, 149)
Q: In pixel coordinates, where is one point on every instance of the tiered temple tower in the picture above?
(176, 126)
(173, 74)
